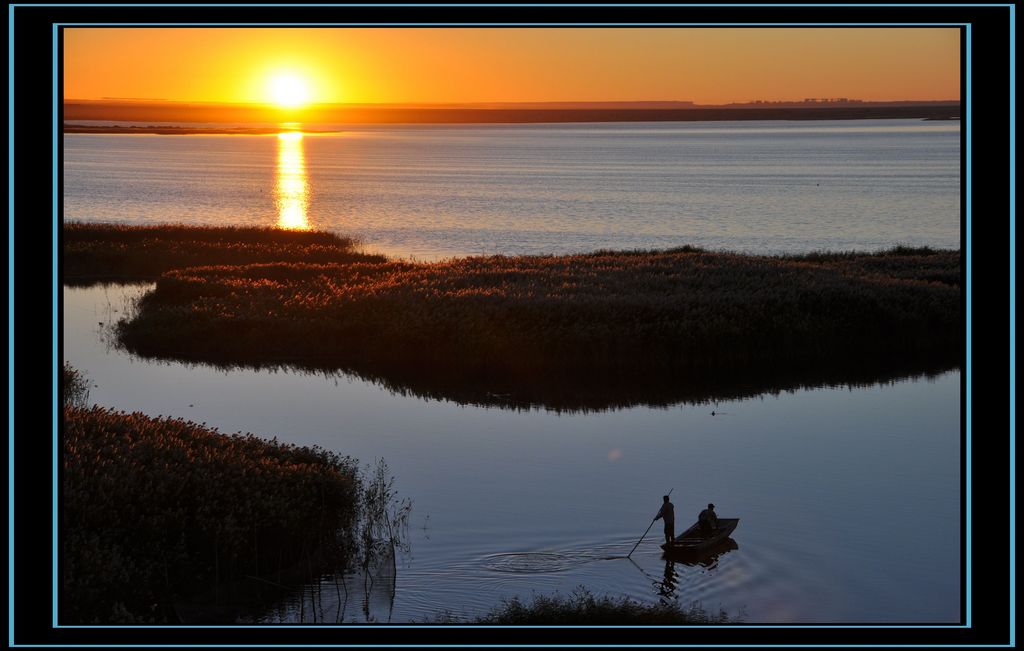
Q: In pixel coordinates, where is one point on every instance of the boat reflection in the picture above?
(666, 587)
(291, 189)
(707, 559)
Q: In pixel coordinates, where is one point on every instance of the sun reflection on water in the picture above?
(292, 189)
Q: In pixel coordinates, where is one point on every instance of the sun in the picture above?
(289, 90)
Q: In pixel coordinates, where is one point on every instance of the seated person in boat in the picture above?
(708, 519)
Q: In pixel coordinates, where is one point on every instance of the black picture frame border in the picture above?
(986, 401)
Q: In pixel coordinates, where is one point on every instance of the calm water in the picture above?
(849, 498)
(437, 191)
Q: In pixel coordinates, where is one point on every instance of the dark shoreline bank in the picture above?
(371, 116)
(96, 253)
(157, 511)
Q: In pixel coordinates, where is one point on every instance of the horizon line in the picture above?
(805, 100)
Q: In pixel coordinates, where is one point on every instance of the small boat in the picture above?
(695, 541)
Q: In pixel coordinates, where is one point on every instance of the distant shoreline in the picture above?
(362, 116)
(183, 131)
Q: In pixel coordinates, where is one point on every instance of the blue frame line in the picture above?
(969, 296)
(519, 626)
(56, 27)
(520, 646)
(513, 5)
(56, 225)
(56, 216)
(1013, 320)
(10, 324)
(505, 24)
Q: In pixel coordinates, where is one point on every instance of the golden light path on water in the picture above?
(291, 191)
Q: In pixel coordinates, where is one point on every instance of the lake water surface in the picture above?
(433, 191)
(848, 497)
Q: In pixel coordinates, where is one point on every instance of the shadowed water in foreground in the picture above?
(805, 469)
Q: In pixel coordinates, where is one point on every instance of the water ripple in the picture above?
(533, 562)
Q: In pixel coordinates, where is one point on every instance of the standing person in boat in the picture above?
(707, 519)
(668, 514)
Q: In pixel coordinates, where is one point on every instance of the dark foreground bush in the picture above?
(583, 608)
(606, 312)
(96, 253)
(157, 509)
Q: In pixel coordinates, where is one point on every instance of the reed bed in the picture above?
(581, 607)
(74, 387)
(113, 253)
(158, 509)
(520, 317)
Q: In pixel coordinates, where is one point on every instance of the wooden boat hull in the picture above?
(693, 541)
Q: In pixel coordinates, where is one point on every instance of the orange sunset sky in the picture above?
(448, 65)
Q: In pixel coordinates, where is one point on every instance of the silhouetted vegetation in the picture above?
(504, 324)
(583, 608)
(157, 509)
(112, 253)
(923, 264)
(74, 387)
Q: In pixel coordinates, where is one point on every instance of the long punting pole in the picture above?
(645, 533)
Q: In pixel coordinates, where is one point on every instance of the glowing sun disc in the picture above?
(289, 91)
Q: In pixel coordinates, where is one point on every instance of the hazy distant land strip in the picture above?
(182, 131)
(614, 112)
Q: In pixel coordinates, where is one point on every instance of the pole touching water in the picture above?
(645, 533)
